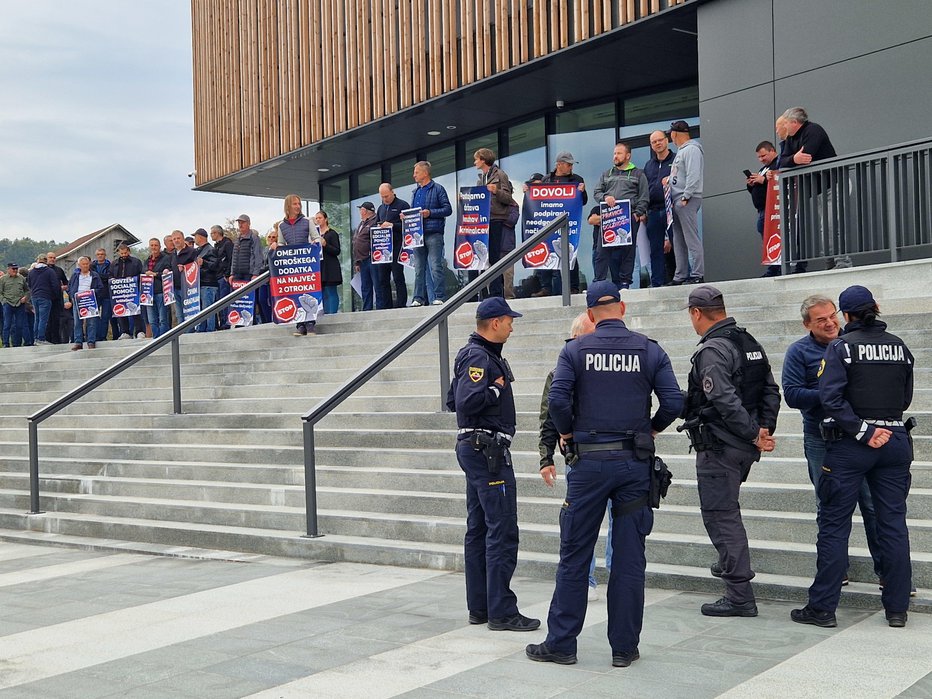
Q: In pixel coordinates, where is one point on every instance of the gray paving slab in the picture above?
(408, 638)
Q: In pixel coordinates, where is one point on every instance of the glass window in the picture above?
(601, 116)
(662, 106)
(527, 155)
(489, 140)
(335, 200)
(593, 152)
(399, 173)
(442, 160)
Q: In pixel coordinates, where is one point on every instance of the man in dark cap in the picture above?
(482, 397)
(369, 275)
(13, 296)
(610, 443)
(731, 411)
(865, 386)
(685, 180)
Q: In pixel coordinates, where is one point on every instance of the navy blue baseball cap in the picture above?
(495, 307)
(598, 291)
(856, 298)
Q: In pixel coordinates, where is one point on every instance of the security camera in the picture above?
(192, 173)
(559, 104)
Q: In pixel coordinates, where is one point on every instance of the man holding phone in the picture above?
(757, 188)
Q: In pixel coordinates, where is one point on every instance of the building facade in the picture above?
(329, 98)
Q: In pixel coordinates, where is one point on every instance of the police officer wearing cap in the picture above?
(482, 397)
(732, 403)
(865, 385)
(600, 402)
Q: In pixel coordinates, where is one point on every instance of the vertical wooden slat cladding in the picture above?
(273, 76)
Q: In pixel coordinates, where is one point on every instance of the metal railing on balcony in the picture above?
(871, 207)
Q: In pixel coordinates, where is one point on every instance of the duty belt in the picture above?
(492, 433)
(620, 445)
(885, 423)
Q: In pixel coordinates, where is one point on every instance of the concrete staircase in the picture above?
(119, 470)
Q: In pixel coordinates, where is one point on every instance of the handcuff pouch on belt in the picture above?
(493, 447)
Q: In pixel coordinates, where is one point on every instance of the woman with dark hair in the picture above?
(865, 385)
(331, 275)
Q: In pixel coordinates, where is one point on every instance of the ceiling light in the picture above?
(451, 127)
(323, 169)
(433, 133)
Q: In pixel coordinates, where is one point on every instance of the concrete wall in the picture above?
(860, 68)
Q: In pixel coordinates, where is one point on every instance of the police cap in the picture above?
(495, 307)
(856, 298)
(705, 296)
(598, 291)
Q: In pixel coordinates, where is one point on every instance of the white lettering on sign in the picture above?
(881, 353)
(613, 362)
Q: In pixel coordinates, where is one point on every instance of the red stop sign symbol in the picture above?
(537, 255)
(464, 254)
(285, 309)
(376, 255)
(608, 236)
(233, 317)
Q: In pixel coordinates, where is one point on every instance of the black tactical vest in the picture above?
(748, 380)
(877, 375)
(613, 377)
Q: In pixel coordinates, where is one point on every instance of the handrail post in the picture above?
(176, 376)
(892, 216)
(565, 262)
(34, 468)
(443, 336)
(310, 481)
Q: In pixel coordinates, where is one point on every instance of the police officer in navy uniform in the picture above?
(865, 385)
(732, 404)
(482, 397)
(600, 402)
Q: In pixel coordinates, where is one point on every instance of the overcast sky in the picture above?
(96, 122)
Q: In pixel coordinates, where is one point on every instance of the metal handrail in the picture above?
(437, 319)
(125, 363)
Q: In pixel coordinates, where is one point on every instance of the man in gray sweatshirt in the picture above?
(685, 182)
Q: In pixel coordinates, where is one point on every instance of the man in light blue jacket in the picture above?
(686, 191)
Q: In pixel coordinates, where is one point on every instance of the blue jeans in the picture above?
(43, 310)
(656, 235)
(369, 283)
(428, 263)
(331, 294)
(208, 297)
(79, 335)
(106, 312)
(13, 319)
(159, 316)
(814, 448)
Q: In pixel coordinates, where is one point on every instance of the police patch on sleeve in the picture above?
(707, 385)
(821, 369)
(476, 373)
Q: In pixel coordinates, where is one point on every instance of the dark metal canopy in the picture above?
(650, 53)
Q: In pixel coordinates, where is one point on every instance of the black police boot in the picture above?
(808, 615)
(725, 607)
(515, 622)
(478, 617)
(542, 654)
(897, 620)
(716, 569)
(625, 659)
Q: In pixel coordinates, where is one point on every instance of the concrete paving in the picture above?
(197, 623)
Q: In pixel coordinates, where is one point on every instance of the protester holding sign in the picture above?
(623, 181)
(187, 279)
(84, 282)
(331, 275)
(493, 178)
(757, 188)
(429, 270)
(361, 246)
(124, 294)
(562, 173)
(389, 216)
(156, 265)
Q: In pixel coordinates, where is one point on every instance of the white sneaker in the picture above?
(124, 336)
(140, 336)
(437, 302)
(416, 303)
(593, 595)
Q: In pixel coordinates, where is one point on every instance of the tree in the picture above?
(23, 251)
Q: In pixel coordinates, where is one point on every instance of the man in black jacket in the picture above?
(806, 143)
(53, 333)
(184, 254)
(389, 215)
(125, 267)
(209, 263)
(757, 188)
(223, 246)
